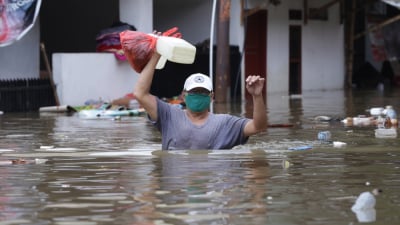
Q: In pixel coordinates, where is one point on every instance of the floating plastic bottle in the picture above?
(364, 207)
(324, 135)
(366, 200)
(360, 120)
(301, 148)
(376, 111)
(390, 112)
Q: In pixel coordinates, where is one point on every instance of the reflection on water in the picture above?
(112, 171)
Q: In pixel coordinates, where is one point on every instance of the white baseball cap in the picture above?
(198, 80)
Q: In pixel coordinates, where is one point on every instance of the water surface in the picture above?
(105, 171)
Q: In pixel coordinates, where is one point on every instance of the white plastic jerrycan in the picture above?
(175, 50)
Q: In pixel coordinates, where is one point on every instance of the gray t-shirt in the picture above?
(220, 131)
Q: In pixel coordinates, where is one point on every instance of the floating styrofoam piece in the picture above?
(385, 133)
(339, 144)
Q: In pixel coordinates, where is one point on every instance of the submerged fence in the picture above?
(23, 95)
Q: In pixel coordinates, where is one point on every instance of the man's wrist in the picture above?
(257, 95)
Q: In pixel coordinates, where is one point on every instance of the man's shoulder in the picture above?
(230, 119)
(167, 106)
(225, 116)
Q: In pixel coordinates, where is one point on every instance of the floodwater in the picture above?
(103, 171)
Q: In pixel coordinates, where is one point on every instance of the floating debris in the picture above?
(339, 144)
(366, 200)
(323, 118)
(300, 148)
(364, 207)
(385, 133)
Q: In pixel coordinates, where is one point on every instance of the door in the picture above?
(294, 60)
(255, 47)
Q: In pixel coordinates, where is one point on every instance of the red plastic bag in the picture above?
(139, 47)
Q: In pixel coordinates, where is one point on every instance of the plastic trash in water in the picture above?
(390, 112)
(366, 200)
(301, 148)
(40, 161)
(386, 133)
(364, 207)
(339, 144)
(323, 118)
(324, 135)
(375, 111)
(365, 216)
(286, 164)
(360, 120)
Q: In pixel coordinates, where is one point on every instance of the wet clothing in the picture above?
(220, 131)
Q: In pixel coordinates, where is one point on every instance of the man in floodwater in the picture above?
(196, 127)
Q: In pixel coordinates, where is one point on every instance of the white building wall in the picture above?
(91, 76)
(21, 59)
(137, 12)
(323, 53)
(322, 49)
(278, 48)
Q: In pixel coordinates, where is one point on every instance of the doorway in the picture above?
(295, 60)
(255, 49)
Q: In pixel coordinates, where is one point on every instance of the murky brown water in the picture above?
(112, 171)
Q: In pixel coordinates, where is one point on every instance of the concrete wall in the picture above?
(102, 77)
(21, 59)
(323, 53)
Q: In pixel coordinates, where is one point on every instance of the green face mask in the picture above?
(197, 102)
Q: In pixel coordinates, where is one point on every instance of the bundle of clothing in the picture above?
(108, 39)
